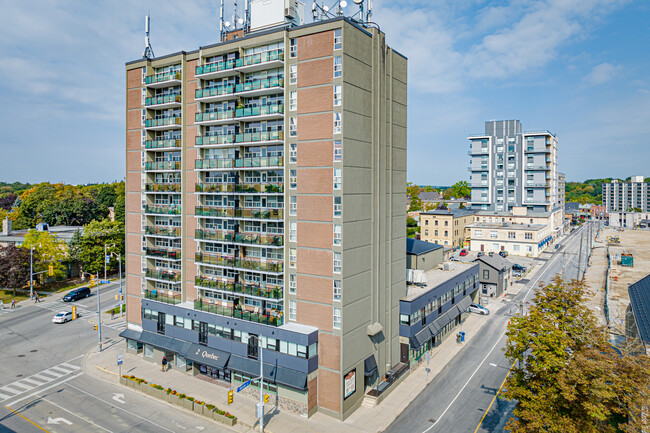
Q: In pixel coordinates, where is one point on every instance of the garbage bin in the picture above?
(461, 334)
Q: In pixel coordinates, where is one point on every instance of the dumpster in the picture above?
(627, 260)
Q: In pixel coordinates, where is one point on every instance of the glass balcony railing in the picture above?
(241, 238)
(164, 253)
(236, 313)
(163, 76)
(165, 121)
(206, 92)
(262, 110)
(256, 59)
(163, 187)
(163, 209)
(161, 144)
(250, 188)
(215, 115)
(225, 212)
(157, 295)
(162, 99)
(262, 292)
(242, 263)
(163, 165)
(251, 137)
(172, 276)
(265, 83)
(215, 67)
(261, 161)
(162, 231)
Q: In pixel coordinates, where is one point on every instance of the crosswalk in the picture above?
(118, 324)
(44, 377)
(6, 310)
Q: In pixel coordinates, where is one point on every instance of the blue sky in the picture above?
(578, 68)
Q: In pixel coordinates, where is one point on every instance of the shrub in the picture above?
(181, 396)
(190, 398)
(228, 415)
(220, 412)
(168, 390)
(210, 406)
(158, 387)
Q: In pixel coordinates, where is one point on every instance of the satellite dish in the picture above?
(358, 2)
(227, 23)
(343, 3)
(240, 21)
(326, 8)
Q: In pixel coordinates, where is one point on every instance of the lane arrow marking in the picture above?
(59, 420)
(118, 398)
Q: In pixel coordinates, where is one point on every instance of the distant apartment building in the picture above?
(553, 220)
(445, 226)
(510, 167)
(629, 219)
(626, 196)
(561, 190)
(263, 174)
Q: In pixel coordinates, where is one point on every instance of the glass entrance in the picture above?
(161, 323)
(203, 333)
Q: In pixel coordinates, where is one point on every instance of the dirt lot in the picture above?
(636, 242)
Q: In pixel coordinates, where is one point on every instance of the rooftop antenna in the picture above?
(247, 17)
(234, 14)
(148, 51)
(221, 30)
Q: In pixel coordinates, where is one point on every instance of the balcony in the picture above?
(164, 123)
(479, 185)
(477, 168)
(164, 253)
(262, 162)
(162, 187)
(172, 144)
(156, 295)
(537, 185)
(261, 61)
(216, 69)
(163, 101)
(215, 117)
(264, 319)
(534, 167)
(164, 79)
(250, 263)
(232, 213)
(271, 292)
(163, 166)
(537, 150)
(162, 232)
(163, 209)
(215, 93)
(245, 188)
(253, 137)
(271, 111)
(478, 152)
(265, 86)
(170, 276)
(239, 238)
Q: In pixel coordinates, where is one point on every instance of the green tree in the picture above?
(14, 267)
(460, 189)
(50, 250)
(119, 208)
(415, 204)
(566, 376)
(96, 235)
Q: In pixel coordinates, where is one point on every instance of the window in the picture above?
(337, 206)
(435, 223)
(338, 67)
(292, 257)
(293, 179)
(144, 116)
(337, 234)
(337, 290)
(426, 232)
(144, 74)
(144, 96)
(338, 150)
(337, 263)
(338, 39)
(337, 123)
(292, 284)
(293, 74)
(293, 205)
(446, 223)
(426, 222)
(293, 48)
(486, 274)
(528, 236)
(148, 351)
(337, 178)
(494, 234)
(337, 318)
(511, 235)
(293, 152)
(337, 95)
(292, 310)
(293, 126)
(436, 233)
(293, 235)
(293, 100)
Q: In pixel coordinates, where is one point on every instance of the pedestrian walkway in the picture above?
(7, 310)
(57, 306)
(44, 377)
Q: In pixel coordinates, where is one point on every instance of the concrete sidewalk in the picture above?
(364, 419)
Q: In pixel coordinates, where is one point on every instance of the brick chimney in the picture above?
(6, 227)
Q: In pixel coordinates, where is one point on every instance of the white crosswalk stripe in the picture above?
(35, 380)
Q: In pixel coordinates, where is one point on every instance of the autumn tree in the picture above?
(50, 249)
(460, 189)
(14, 267)
(96, 235)
(567, 377)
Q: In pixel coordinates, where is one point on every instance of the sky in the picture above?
(578, 68)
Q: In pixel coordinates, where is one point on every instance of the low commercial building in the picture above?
(495, 275)
(421, 255)
(553, 219)
(527, 240)
(445, 226)
(8, 236)
(629, 219)
(637, 321)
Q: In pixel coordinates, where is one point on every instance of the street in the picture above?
(460, 398)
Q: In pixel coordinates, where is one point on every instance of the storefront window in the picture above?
(148, 351)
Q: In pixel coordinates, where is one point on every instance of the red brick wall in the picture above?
(315, 45)
(316, 72)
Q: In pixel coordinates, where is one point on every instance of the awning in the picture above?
(369, 366)
(207, 355)
(163, 342)
(464, 304)
(420, 338)
(130, 334)
(284, 376)
(434, 328)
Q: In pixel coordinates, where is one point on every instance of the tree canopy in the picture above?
(50, 250)
(97, 234)
(14, 267)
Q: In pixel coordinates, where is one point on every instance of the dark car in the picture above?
(518, 268)
(503, 254)
(480, 254)
(80, 293)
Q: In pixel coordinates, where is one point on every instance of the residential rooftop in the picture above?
(507, 225)
(417, 247)
(436, 277)
(454, 212)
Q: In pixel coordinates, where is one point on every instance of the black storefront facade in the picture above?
(226, 349)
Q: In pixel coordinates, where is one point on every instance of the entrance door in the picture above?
(203, 333)
(404, 353)
(161, 323)
(252, 346)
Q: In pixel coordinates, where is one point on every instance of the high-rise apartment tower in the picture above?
(627, 196)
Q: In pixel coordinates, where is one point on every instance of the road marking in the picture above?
(118, 398)
(27, 419)
(74, 414)
(493, 364)
(31, 381)
(495, 397)
(44, 389)
(59, 420)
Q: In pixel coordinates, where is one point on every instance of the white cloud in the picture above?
(603, 73)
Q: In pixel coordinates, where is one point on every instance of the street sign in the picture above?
(119, 359)
(244, 385)
(104, 281)
(74, 312)
(108, 259)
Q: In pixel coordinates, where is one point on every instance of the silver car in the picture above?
(478, 309)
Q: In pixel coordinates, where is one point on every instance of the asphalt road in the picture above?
(456, 401)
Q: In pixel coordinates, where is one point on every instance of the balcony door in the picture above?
(161, 323)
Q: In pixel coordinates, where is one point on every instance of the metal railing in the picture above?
(162, 187)
(163, 210)
(162, 99)
(163, 165)
(255, 59)
(165, 253)
(163, 275)
(260, 161)
(250, 188)
(155, 295)
(165, 121)
(242, 263)
(237, 313)
(160, 231)
(229, 212)
(163, 76)
(241, 238)
(159, 144)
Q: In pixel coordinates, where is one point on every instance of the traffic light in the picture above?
(51, 270)
(231, 396)
(92, 278)
(95, 327)
(266, 398)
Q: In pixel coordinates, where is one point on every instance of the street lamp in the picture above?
(106, 256)
(119, 265)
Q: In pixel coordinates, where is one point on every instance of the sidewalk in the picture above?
(364, 419)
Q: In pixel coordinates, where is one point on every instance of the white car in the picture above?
(478, 309)
(62, 317)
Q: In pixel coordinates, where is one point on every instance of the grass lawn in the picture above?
(116, 310)
(8, 295)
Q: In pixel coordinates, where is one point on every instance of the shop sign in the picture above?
(350, 383)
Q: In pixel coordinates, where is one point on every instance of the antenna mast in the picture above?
(148, 51)
(221, 30)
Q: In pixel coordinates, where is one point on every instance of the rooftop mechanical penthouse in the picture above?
(265, 211)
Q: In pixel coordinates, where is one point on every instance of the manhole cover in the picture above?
(35, 350)
(21, 356)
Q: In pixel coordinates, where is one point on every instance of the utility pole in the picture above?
(579, 256)
(261, 387)
(104, 265)
(31, 272)
(99, 318)
(119, 262)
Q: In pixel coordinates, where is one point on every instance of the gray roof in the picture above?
(497, 262)
(454, 212)
(417, 247)
(429, 195)
(640, 303)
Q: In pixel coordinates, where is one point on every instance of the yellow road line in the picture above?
(495, 397)
(26, 419)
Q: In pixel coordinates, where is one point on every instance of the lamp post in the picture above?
(119, 265)
(31, 272)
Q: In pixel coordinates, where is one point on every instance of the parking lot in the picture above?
(527, 262)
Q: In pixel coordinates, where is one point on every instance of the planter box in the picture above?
(224, 420)
(129, 383)
(124, 380)
(188, 404)
(198, 408)
(158, 393)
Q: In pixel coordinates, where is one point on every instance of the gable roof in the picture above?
(417, 247)
(640, 303)
(429, 195)
(497, 262)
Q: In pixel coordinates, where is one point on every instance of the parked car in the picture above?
(503, 254)
(518, 268)
(62, 317)
(491, 254)
(454, 259)
(480, 254)
(478, 309)
(463, 253)
(80, 293)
